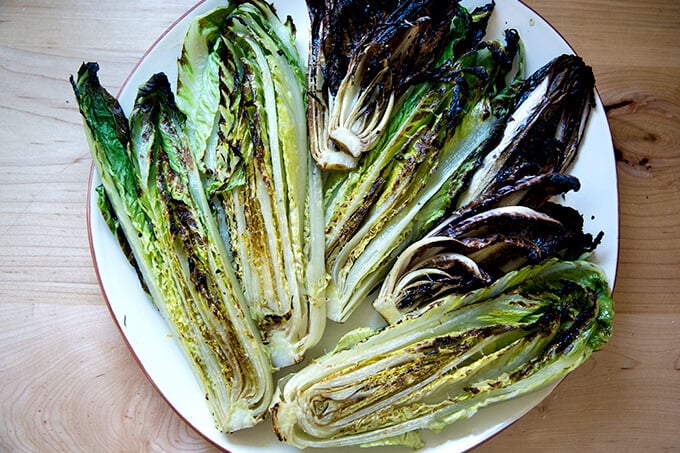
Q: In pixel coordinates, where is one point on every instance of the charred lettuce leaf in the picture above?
(444, 363)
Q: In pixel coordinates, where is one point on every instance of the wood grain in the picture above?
(67, 380)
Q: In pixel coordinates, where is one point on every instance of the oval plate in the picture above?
(150, 340)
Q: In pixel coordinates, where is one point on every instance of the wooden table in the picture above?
(67, 380)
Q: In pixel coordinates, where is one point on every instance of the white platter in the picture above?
(160, 357)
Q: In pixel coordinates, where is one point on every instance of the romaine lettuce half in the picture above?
(242, 85)
(156, 194)
(443, 363)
